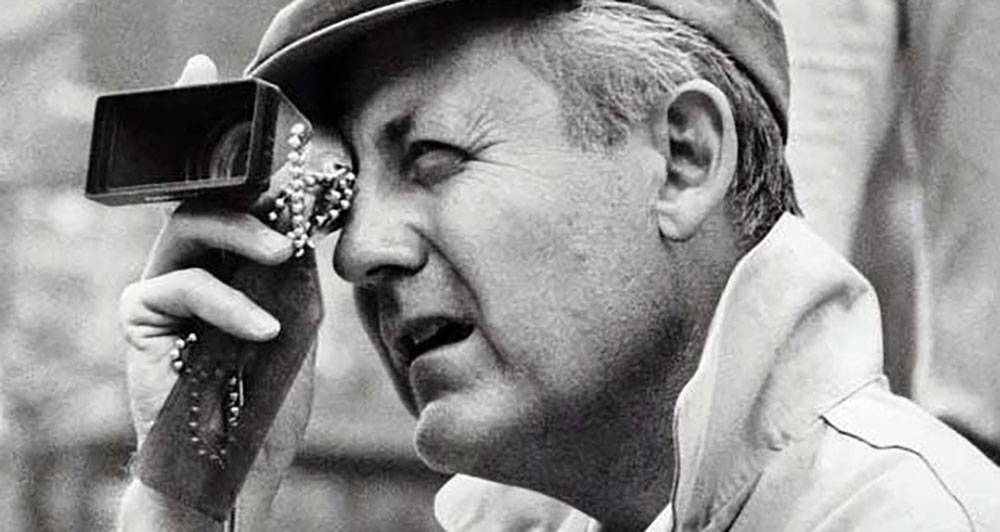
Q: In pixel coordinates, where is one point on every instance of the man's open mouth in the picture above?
(424, 335)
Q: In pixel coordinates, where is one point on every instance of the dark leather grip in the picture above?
(194, 453)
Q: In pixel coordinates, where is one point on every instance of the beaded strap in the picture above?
(331, 189)
(193, 370)
(313, 202)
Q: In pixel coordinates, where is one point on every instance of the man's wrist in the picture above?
(254, 502)
(144, 508)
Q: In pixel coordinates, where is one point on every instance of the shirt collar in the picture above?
(796, 330)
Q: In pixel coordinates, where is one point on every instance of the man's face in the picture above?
(518, 282)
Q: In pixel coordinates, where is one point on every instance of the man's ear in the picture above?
(696, 134)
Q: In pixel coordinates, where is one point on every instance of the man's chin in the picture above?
(441, 440)
(454, 436)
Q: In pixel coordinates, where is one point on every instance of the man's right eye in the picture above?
(430, 162)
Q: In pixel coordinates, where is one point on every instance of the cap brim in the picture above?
(302, 54)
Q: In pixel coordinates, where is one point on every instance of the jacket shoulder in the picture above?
(923, 466)
(876, 462)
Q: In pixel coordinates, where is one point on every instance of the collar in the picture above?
(796, 331)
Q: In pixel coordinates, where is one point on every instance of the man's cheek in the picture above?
(491, 205)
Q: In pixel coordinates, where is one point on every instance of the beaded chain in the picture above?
(232, 401)
(331, 191)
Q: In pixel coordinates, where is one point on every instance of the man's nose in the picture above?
(381, 239)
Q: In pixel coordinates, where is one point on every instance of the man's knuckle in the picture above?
(130, 307)
(230, 307)
(129, 302)
(188, 225)
(202, 282)
(132, 338)
(193, 279)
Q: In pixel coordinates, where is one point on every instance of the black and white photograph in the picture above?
(500, 265)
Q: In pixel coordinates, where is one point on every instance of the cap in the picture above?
(750, 31)
(305, 31)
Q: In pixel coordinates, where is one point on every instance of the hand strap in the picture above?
(194, 453)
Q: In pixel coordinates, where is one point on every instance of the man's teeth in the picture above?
(425, 334)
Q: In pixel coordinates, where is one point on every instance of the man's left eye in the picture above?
(431, 162)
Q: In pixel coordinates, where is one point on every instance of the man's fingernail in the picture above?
(265, 324)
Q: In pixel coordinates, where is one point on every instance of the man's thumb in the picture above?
(198, 69)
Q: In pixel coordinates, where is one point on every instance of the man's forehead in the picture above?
(421, 43)
(412, 80)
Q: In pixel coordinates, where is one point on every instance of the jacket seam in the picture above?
(914, 452)
(872, 379)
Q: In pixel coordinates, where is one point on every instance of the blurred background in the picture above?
(892, 146)
(65, 433)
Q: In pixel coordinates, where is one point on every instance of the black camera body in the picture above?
(181, 142)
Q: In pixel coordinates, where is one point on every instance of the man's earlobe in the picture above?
(696, 133)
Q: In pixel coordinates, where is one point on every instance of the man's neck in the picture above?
(615, 461)
(638, 444)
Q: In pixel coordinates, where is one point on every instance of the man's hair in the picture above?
(612, 61)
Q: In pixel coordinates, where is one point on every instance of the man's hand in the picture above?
(174, 290)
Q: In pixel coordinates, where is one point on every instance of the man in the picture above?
(574, 244)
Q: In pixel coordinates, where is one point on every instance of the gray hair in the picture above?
(612, 61)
